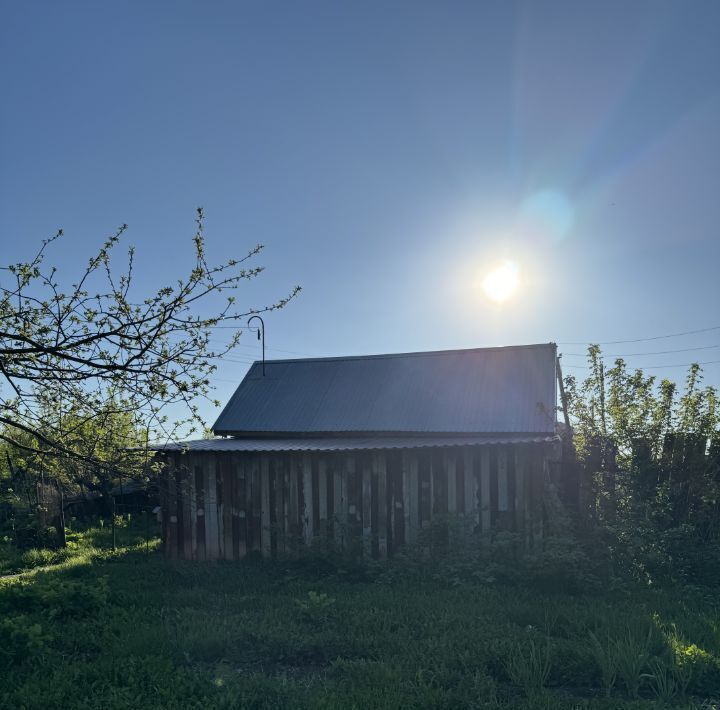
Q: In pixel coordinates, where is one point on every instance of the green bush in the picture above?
(9, 558)
(31, 559)
(560, 565)
(20, 640)
(37, 558)
(56, 597)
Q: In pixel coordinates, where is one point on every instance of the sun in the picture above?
(501, 282)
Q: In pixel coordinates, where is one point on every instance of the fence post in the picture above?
(112, 521)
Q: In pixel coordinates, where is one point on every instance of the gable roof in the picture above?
(482, 390)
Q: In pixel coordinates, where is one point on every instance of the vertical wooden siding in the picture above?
(226, 505)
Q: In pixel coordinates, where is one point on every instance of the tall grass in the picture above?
(632, 654)
(603, 652)
(528, 666)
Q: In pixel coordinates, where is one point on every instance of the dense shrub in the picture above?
(20, 640)
(56, 597)
(649, 456)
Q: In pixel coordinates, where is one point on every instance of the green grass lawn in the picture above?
(84, 543)
(131, 630)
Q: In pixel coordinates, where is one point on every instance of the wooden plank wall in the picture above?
(227, 505)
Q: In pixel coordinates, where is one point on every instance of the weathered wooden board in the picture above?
(450, 468)
(211, 519)
(315, 489)
(424, 490)
(471, 488)
(366, 473)
(485, 493)
(322, 496)
(200, 512)
(502, 480)
(172, 523)
(407, 523)
(220, 495)
(396, 473)
(339, 503)
(285, 519)
(308, 515)
(382, 504)
(240, 510)
(256, 502)
(520, 496)
(185, 528)
(191, 522)
(227, 475)
(265, 505)
(294, 515)
(460, 477)
(371, 503)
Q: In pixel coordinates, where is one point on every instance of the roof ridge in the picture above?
(418, 353)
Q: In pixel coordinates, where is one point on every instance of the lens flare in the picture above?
(547, 214)
(500, 284)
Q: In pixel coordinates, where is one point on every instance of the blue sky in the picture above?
(388, 154)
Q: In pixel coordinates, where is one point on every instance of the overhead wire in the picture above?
(648, 367)
(258, 347)
(653, 352)
(642, 340)
(567, 365)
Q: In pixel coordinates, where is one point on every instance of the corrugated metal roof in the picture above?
(483, 390)
(347, 443)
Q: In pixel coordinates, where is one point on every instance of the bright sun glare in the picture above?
(501, 282)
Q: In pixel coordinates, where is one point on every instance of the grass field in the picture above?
(129, 630)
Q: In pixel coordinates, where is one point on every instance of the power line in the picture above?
(643, 340)
(232, 359)
(648, 367)
(653, 352)
(257, 347)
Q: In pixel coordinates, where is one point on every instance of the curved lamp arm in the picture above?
(261, 331)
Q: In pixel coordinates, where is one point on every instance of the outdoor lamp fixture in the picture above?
(261, 329)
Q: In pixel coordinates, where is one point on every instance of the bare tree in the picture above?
(74, 360)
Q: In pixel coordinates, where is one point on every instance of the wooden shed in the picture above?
(364, 453)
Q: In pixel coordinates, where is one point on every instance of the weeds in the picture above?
(662, 680)
(606, 660)
(315, 603)
(632, 656)
(528, 666)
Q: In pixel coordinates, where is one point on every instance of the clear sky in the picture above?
(388, 154)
